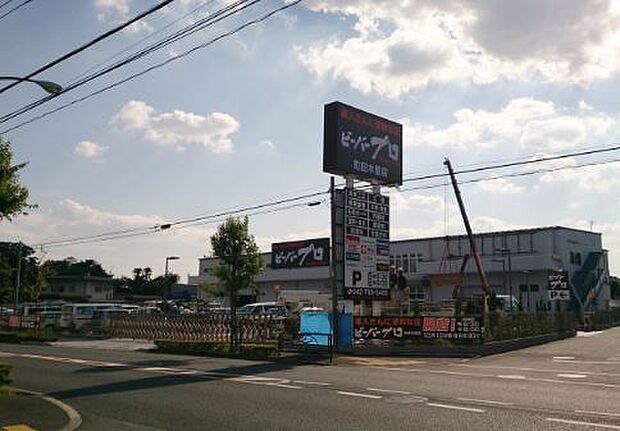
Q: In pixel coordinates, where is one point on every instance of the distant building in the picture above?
(82, 288)
(188, 292)
(524, 258)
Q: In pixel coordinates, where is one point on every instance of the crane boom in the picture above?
(470, 235)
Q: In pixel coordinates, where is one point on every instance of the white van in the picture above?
(74, 316)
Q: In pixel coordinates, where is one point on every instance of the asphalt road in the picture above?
(572, 384)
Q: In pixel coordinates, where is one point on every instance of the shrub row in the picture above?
(217, 348)
(5, 375)
(18, 337)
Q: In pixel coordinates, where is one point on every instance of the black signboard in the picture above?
(417, 327)
(362, 145)
(300, 254)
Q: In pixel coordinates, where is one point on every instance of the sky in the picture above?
(240, 122)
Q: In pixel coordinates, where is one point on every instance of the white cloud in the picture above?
(528, 123)
(115, 12)
(500, 185)
(267, 144)
(88, 150)
(401, 46)
(179, 129)
(596, 178)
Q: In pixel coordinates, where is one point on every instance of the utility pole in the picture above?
(19, 276)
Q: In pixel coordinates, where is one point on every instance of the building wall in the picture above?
(93, 289)
(534, 254)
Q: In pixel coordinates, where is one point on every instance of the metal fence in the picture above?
(505, 326)
(216, 327)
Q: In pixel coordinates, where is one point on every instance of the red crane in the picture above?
(474, 251)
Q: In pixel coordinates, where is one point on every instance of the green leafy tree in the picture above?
(615, 287)
(239, 263)
(13, 196)
(69, 266)
(11, 253)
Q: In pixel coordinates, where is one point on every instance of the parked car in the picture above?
(264, 308)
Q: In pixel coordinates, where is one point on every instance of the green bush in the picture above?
(5, 375)
(18, 337)
(216, 348)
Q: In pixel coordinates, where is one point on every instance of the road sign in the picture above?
(558, 286)
(366, 245)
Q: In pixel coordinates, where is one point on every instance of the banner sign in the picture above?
(558, 286)
(362, 145)
(300, 254)
(412, 328)
(366, 245)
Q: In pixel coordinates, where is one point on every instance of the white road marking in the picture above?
(588, 424)
(357, 394)
(564, 357)
(572, 376)
(306, 382)
(562, 361)
(588, 334)
(499, 403)
(388, 391)
(588, 412)
(449, 406)
(280, 385)
(538, 370)
(511, 376)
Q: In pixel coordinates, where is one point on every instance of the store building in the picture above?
(520, 261)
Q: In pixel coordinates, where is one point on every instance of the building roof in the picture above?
(499, 232)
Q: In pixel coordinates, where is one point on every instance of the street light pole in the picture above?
(19, 277)
(506, 251)
(49, 86)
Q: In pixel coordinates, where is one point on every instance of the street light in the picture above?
(49, 86)
(169, 258)
(508, 252)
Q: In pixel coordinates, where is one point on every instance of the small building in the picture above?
(515, 261)
(82, 288)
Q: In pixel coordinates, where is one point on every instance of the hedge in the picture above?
(217, 348)
(5, 375)
(18, 337)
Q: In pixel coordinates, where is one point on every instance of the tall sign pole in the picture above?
(332, 269)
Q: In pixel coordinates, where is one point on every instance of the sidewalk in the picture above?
(22, 412)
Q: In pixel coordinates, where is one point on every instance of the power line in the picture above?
(88, 44)
(210, 20)
(215, 219)
(516, 174)
(138, 42)
(3, 4)
(179, 222)
(202, 219)
(10, 11)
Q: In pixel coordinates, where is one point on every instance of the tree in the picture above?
(615, 287)
(13, 196)
(69, 266)
(239, 263)
(14, 255)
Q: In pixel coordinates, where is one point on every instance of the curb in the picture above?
(75, 420)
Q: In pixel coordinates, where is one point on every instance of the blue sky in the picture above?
(241, 122)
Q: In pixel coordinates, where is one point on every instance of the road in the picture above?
(572, 384)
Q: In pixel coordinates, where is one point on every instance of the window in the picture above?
(523, 288)
(533, 288)
(406, 263)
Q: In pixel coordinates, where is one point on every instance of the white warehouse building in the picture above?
(523, 258)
